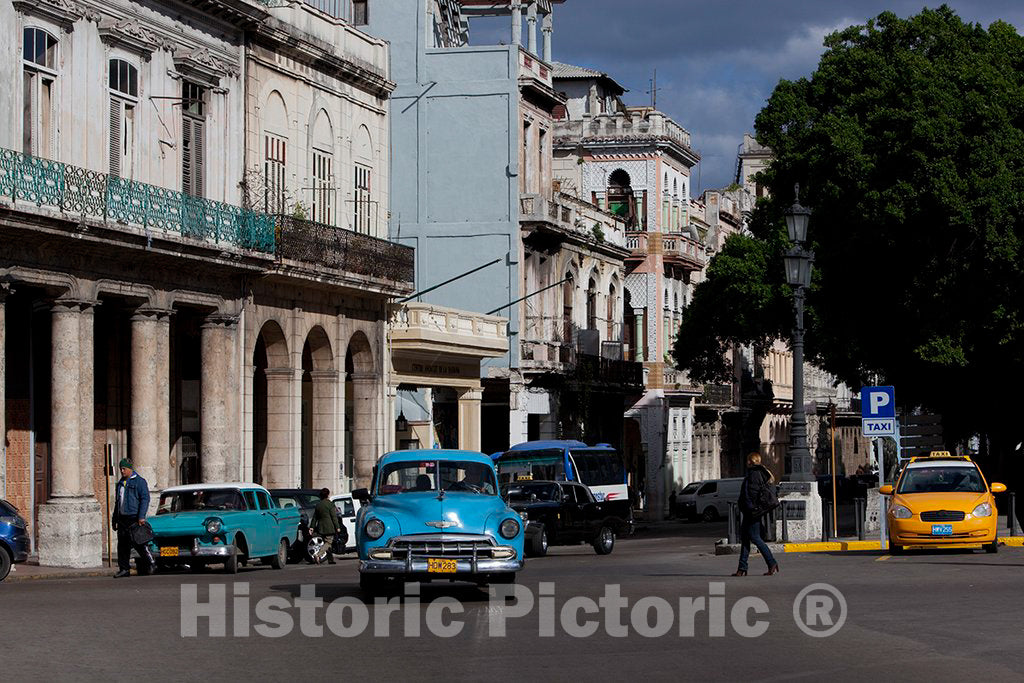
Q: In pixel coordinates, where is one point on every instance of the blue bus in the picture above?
(598, 467)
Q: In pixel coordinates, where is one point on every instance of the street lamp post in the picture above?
(798, 262)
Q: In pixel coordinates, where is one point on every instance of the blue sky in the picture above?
(717, 60)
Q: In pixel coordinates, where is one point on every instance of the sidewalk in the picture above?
(31, 571)
(845, 545)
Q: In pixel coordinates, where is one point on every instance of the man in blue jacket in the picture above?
(131, 502)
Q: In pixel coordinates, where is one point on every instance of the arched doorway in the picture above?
(621, 201)
(319, 393)
(271, 426)
(362, 384)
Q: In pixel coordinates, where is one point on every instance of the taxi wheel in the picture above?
(895, 549)
(992, 547)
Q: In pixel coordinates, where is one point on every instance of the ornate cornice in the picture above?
(201, 64)
(62, 12)
(131, 35)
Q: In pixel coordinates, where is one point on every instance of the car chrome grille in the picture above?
(942, 516)
(456, 549)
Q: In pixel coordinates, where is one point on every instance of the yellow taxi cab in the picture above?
(940, 501)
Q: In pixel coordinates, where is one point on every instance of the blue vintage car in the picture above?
(436, 515)
(13, 538)
(227, 524)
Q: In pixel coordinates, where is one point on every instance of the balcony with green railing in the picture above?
(81, 194)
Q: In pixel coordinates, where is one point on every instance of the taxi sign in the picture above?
(878, 411)
(524, 477)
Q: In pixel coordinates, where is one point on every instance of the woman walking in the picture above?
(757, 498)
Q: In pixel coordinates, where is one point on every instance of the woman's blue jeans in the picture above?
(750, 531)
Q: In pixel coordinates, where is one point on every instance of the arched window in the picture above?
(610, 309)
(275, 153)
(323, 169)
(39, 66)
(123, 84)
(592, 305)
(568, 292)
(362, 215)
(620, 197)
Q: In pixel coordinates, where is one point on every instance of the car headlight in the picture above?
(983, 510)
(213, 525)
(509, 528)
(901, 512)
(374, 529)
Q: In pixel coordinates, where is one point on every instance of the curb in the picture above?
(15, 576)
(847, 546)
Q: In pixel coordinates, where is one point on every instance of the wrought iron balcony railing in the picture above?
(299, 239)
(79, 192)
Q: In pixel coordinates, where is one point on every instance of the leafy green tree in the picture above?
(908, 143)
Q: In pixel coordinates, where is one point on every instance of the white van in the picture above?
(708, 500)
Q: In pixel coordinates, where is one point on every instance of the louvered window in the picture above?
(123, 81)
(39, 62)
(323, 190)
(274, 165)
(361, 213)
(193, 139)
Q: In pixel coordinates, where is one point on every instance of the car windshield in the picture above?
(453, 475)
(203, 499)
(295, 499)
(691, 488)
(942, 479)
(526, 493)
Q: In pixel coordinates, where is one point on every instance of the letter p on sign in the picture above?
(878, 402)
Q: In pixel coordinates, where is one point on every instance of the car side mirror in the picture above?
(362, 495)
(885, 490)
(996, 487)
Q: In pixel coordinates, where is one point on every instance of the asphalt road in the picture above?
(936, 616)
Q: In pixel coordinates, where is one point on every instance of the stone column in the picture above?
(87, 398)
(163, 401)
(278, 466)
(469, 418)
(326, 458)
(219, 400)
(546, 29)
(517, 23)
(69, 522)
(531, 28)
(5, 290)
(364, 426)
(145, 408)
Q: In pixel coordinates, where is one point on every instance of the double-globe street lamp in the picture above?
(798, 261)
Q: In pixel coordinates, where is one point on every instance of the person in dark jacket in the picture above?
(326, 522)
(753, 506)
(131, 503)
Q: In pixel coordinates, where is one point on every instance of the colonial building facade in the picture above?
(193, 273)
(635, 162)
(472, 131)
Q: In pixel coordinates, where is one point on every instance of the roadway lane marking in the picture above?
(883, 558)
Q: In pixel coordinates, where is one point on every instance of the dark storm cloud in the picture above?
(718, 60)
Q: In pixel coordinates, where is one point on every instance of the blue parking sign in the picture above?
(877, 402)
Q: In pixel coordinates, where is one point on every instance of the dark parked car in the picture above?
(564, 513)
(13, 538)
(305, 500)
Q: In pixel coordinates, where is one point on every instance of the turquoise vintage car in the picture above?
(436, 515)
(227, 524)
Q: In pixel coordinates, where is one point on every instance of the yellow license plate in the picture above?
(439, 566)
(168, 552)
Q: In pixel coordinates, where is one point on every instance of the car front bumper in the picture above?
(914, 532)
(20, 546)
(200, 552)
(418, 565)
